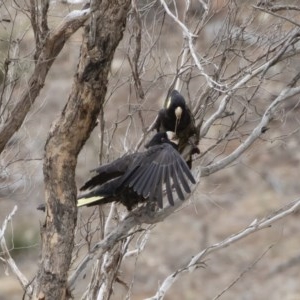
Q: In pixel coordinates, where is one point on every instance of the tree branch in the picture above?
(256, 133)
(251, 73)
(65, 140)
(9, 260)
(255, 226)
(190, 41)
(51, 48)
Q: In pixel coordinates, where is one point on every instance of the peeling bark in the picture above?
(65, 140)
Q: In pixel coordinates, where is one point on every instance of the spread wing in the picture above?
(109, 171)
(160, 165)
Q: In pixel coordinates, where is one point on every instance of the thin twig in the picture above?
(9, 260)
(255, 226)
(256, 133)
(249, 268)
(190, 41)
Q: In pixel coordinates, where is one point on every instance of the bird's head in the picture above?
(175, 100)
(159, 138)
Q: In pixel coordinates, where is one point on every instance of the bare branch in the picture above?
(9, 260)
(271, 12)
(53, 45)
(190, 38)
(251, 74)
(243, 273)
(7, 219)
(284, 8)
(255, 226)
(256, 133)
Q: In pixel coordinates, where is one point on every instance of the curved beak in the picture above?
(178, 113)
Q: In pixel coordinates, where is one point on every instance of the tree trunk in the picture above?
(65, 140)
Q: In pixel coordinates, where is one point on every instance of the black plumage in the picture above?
(178, 118)
(140, 176)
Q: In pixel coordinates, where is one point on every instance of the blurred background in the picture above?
(262, 180)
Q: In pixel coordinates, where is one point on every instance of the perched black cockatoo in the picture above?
(140, 176)
(177, 117)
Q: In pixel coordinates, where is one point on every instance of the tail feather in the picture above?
(88, 201)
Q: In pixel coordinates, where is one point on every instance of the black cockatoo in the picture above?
(177, 117)
(140, 176)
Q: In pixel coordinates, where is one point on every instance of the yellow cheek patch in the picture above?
(168, 102)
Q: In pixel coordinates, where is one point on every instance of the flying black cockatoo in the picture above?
(178, 118)
(140, 176)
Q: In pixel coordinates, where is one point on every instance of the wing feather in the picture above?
(177, 185)
(145, 173)
(187, 171)
(158, 188)
(168, 185)
(156, 184)
(151, 182)
(110, 171)
(168, 164)
(144, 179)
(134, 177)
(182, 178)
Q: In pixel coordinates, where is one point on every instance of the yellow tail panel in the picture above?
(87, 201)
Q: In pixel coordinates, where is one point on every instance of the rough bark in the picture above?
(65, 140)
